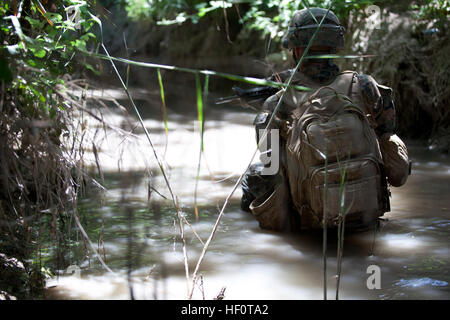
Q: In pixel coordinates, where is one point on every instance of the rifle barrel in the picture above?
(227, 99)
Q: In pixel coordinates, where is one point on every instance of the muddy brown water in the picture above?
(143, 248)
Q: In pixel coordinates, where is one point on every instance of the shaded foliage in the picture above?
(39, 172)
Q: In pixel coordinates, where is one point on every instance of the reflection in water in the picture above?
(411, 247)
(403, 241)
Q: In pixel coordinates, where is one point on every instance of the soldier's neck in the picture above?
(320, 70)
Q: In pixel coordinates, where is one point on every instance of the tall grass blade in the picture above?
(128, 56)
(337, 56)
(201, 120)
(42, 11)
(200, 123)
(205, 90)
(341, 226)
(250, 80)
(199, 106)
(163, 100)
(306, 4)
(164, 110)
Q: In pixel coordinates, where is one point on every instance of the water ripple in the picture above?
(421, 282)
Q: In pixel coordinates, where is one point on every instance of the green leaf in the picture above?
(31, 63)
(79, 44)
(37, 24)
(54, 17)
(90, 67)
(40, 53)
(99, 22)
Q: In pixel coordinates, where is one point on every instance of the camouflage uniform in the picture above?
(267, 197)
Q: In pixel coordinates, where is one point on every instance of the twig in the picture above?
(86, 237)
(161, 195)
(201, 287)
(221, 294)
(341, 224)
(325, 225)
(227, 26)
(341, 228)
(186, 265)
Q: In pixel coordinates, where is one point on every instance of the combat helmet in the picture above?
(303, 25)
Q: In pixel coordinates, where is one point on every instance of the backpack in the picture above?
(332, 142)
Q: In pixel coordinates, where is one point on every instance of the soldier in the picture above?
(338, 152)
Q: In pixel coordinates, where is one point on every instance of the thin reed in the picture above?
(201, 120)
(325, 224)
(164, 110)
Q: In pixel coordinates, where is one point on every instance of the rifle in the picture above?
(250, 97)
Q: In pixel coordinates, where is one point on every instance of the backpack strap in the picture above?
(344, 82)
(351, 79)
(357, 97)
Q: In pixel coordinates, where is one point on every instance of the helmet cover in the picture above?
(305, 22)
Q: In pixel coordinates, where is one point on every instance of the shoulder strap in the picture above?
(344, 82)
(357, 97)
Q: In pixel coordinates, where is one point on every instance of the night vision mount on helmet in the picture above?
(303, 25)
